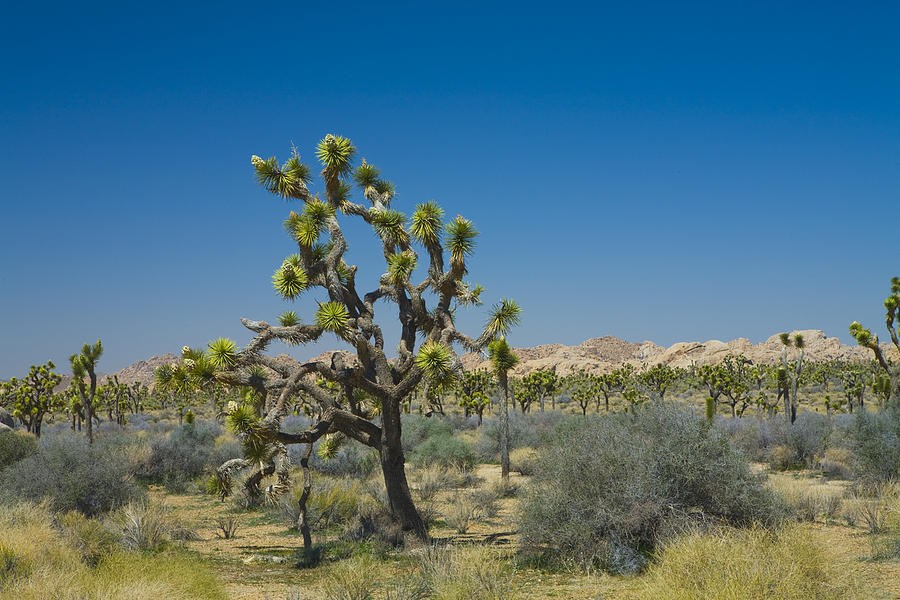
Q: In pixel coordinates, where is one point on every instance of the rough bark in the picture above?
(504, 427)
(302, 521)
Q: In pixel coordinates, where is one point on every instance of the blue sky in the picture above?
(663, 171)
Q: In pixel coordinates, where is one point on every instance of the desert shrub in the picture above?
(14, 446)
(752, 436)
(51, 554)
(446, 450)
(872, 505)
(876, 440)
(351, 579)
(430, 480)
(529, 430)
(523, 460)
(351, 460)
(72, 475)
(808, 436)
(486, 502)
(145, 526)
(807, 498)
(609, 489)
(416, 429)
(374, 523)
(466, 573)
(226, 526)
(460, 512)
(335, 501)
(783, 458)
(187, 453)
(839, 463)
(90, 537)
(752, 564)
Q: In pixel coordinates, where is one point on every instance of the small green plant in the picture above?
(351, 579)
(226, 527)
(460, 512)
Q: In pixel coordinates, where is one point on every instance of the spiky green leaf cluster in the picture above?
(341, 195)
(504, 316)
(385, 188)
(242, 419)
(288, 319)
(390, 225)
(501, 355)
(468, 295)
(401, 266)
(426, 224)
(296, 170)
(222, 353)
(290, 279)
(288, 181)
(335, 153)
(460, 239)
(332, 316)
(436, 360)
(329, 446)
(863, 336)
(306, 228)
(366, 175)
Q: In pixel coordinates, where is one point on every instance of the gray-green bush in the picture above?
(73, 475)
(609, 489)
(446, 450)
(876, 440)
(186, 453)
(14, 446)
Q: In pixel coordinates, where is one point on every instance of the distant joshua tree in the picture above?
(889, 387)
(789, 377)
(31, 398)
(425, 311)
(84, 365)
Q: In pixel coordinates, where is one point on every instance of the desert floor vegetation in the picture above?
(676, 491)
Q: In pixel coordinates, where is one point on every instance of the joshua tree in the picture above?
(789, 378)
(657, 380)
(84, 365)
(31, 398)
(473, 392)
(541, 385)
(853, 384)
(608, 383)
(865, 338)
(503, 359)
(350, 316)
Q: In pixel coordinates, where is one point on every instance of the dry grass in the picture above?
(795, 563)
(49, 565)
(811, 499)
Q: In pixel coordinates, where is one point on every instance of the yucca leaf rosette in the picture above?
(332, 316)
(436, 360)
(290, 279)
(426, 224)
(222, 353)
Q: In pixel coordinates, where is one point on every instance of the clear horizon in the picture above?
(653, 172)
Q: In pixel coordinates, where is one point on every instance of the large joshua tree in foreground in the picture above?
(865, 338)
(425, 310)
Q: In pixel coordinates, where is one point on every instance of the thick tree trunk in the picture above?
(302, 522)
(394, 471)
(504, 428)
(787, 406)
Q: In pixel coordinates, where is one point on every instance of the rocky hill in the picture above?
(596, 355)
(603, 354)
